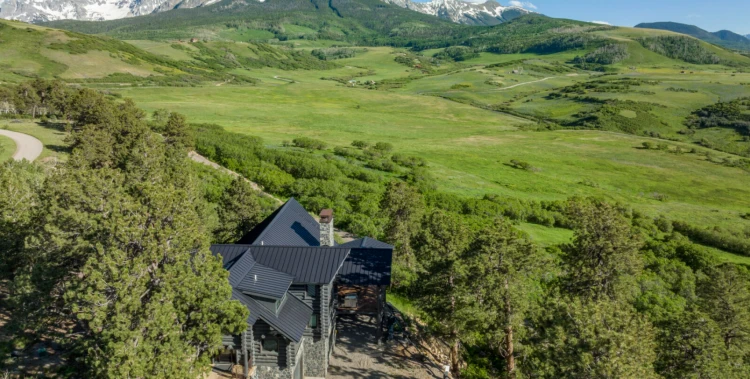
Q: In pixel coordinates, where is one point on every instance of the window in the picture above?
(311, 290)
(271, 345)
(313, 321)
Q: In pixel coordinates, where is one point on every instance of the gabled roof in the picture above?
(291, 320)
(265, 281)
(367, 242)
(309, 265)
(289, 225)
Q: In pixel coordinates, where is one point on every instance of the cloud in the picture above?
(601, 22)
(522, 4)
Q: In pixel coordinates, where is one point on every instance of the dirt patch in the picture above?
(357, 354)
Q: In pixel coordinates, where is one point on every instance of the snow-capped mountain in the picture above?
(94, 10)
(488, 13)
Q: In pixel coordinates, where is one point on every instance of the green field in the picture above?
(467, 118)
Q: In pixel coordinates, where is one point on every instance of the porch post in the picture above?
(380, 299)
(244, 354)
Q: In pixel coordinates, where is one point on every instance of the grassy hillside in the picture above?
(29, 51)
(369, 22)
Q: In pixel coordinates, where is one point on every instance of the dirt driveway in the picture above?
(27, 147)
(358, 356)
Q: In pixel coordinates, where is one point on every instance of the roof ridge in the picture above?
(276, 217)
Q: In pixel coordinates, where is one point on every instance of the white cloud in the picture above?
(522, 4)
(601, 22)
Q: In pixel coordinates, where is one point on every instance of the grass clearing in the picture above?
(51, 137)
(546, 236)
(7, 148)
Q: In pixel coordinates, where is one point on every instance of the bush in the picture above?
(648, 145)
(383, 147)
(309, 143)
(361, 144)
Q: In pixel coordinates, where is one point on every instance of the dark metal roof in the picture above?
(238, 268)
(265, 281)
(289, 225)
(291, 320)
(367, 242)
(310, 265)
(367, 267)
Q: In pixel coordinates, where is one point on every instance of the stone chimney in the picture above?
(326, 227)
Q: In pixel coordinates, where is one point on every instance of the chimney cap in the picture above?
(326, 215)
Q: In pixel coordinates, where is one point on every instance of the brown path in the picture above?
(358, 356)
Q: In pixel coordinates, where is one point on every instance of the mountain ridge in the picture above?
(89, 10)
(723, 38)
(488, 13)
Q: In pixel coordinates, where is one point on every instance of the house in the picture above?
(295, 281)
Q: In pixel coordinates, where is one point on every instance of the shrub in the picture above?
(361, 144)
(309, 143)
(383, 146)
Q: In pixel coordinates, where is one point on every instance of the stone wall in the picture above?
(265, 372)
(316, 357)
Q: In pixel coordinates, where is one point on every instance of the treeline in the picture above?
(733, 114)
(513, 310)
(332, 53)
(605, 55)
(683, 48)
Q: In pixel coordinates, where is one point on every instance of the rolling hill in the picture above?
(31, 51)
(724, 38)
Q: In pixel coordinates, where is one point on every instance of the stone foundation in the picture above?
(272, 373)
(316, 358)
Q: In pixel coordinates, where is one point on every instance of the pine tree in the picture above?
(239, 212)
(603, 259)
(577, 338)
(402, 207)
(505, 272)
(444, 281)
(119, 257)
(19, 184)
(724, 294)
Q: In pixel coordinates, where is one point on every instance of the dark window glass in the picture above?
(271, 345)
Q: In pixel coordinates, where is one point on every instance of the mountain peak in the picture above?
(490, 12)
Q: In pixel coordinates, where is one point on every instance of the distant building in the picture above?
(295, 280)
(194, 40)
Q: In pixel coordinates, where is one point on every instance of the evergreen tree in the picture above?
(177, 132)
(119, 257)
(577, 338)
(689, 345)
(239, 212)
(505, 272)
(725, 296)
(402, 207)
(444, 282)
(603, 259)
(19, 184)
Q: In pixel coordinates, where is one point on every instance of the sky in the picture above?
(712, 15)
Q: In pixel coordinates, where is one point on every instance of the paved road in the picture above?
(27, 147)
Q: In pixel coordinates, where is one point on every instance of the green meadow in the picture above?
(7, 148)
(468, 118)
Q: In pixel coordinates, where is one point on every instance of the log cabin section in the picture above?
(291, 275)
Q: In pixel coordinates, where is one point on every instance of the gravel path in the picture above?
(27, 147)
